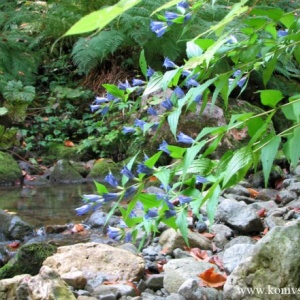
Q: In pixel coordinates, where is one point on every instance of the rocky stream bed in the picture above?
(250, 252)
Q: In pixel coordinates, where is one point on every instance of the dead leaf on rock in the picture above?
(261, 212)
(208, 235)
(213, 279)
(69, 144)
(253, 193)
(78, 228)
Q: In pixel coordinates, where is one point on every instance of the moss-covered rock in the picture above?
(101, 168)
(64, 172)
(28, 260)
(9, 169)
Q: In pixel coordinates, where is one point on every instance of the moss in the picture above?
(9, 169)
(58, 151)
(102, 167)
(28, 260)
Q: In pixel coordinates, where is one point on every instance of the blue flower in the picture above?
(99, 100)
(139, 123)
(282, 33)
(169, 64)
(187, 17)
(170, 16)
(110, 97)
(126, 172)
(164, 147)
(94, 107)
(191, 82)
(232, 40)
(198, 98)
(151, 213)
(114, 233)
(91, 197)
(104, 110)
(237, 73)
(82, 210)
(136, 82)
(130, 191)
(183, 138)
(128, 130)
(152, 111)
(179, 92)
(158, 27)
(124, 86)
(154, 126)
(184, 199)
(150, 72)
(110, 196)
(167, 104)
(182, 6)
(242, 81)
(142, 169)
(200, 179)
(128, 237)
(111, 179)
(186, 73)
(169, 213)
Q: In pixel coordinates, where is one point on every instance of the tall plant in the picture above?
(263, 36)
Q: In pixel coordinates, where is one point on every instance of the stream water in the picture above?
(51, 205)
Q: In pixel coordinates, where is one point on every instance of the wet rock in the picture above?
(170, 240)
(13, 227)
(10, 172)
(46, 285)
(234, 255)
(28, 260)
(4, 256)
(274, 264)
(94, 259)
(177, 271)
(222, 234)
(97, 219)
(238, 216)
(51, 229)
(191, 290)
(64, 172)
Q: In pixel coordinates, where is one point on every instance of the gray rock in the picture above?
(170, 240)
(267, 194)
(268, 206)
(174, 296)
(97, 219)
(287, 196)
(177, 271)
(238, 216)
(240, 240)
(64, 172)
(222, 234)
(274, 264)
(75, 279)
(238, 190)
(155, 281)
(272, 221)
(294, 187)
(191, 290)
(234, 255)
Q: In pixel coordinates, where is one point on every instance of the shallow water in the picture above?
(40, 206)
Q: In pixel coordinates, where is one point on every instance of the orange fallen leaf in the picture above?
(217, 261)
(198, 254)
(261, 212)
(78, 228)
(14, 245)
(213, 279)
(253, 193)
(69, 144)
(152, 178)
(208, 235)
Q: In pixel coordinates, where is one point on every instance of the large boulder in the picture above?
(28, 260)
(272, 271)
(10, 172)
(93, 259)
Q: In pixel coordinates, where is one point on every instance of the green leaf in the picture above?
(297, 53)
(221, 85)
(268, 70)
(192, 49)
(150, 162)
(148, 200)
(173, 119)
(101, 189)
(143, 63)
(270, 97)
(3, 111)
(212, 203)
(292, 149)
(268, 154)
(114, 90)
(254, 124)
(288, 19)
(125, 179)
(165, 6)
(204, 44)
(170, 78)
(164, 176)
(99, 19)
(154, 84)
(190, 155)
(271, 12)
(176, 152)
(181, 222)
(239, 162)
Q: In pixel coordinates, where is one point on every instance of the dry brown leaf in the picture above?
(213, 279)
(253, 193)
(78, 228)
(208, 235)
(261, 212)
(217, 261)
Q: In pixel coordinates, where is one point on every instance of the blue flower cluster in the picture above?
(183, 15)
